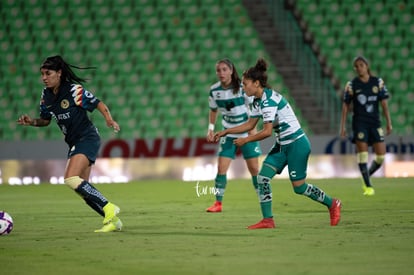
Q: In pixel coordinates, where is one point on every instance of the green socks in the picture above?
(255, 184)
(265, 190)
(221, 182)
(313, 192)
(265, 196)
(220, 185)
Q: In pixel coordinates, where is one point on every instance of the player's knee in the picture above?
(362, 157)
(254, 170)
(73, 182)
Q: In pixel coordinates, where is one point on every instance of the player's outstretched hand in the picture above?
(25, 120)
(114, 125)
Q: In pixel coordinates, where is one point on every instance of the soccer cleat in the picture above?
(369, 191)
(265, 223)
(335, 211)
(110, 210)
(114, 225)
(216, 207)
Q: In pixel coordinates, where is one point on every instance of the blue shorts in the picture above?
(88, 146)
(228, 149)
(369, 135)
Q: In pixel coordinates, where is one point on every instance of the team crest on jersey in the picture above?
(64, 104)
(375, 89)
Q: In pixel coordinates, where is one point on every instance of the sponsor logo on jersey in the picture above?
(362, 99)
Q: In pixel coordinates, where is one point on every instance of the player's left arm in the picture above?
(26, 120)
(383, 96)
(346, 101)
(386, 113)
(245, 127)
(110, 122)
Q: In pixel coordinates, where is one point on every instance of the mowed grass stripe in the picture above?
(168, 232)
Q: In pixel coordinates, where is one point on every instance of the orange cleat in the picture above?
(335, 212)
(215, 208)
(265, 223)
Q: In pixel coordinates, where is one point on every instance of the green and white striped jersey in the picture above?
(274, 108)
(234, 108)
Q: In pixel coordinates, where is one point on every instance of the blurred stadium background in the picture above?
(156, 58)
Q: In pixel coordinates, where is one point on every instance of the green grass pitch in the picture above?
(167, 231)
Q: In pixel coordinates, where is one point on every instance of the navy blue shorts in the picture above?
(88, 146)
(369, 135)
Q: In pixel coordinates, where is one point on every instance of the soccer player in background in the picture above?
(227, 97)
(365, 92)
(65, 100)
(292, 147)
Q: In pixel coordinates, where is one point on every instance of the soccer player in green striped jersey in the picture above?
(292, 147)
(227, 97)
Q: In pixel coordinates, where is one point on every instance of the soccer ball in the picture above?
(6, 223)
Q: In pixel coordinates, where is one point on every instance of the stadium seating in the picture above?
(379, 30)
(155, 59)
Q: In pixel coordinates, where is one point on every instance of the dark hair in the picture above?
(235, 79)
(363, 59)
(57, 63)
(258, 72)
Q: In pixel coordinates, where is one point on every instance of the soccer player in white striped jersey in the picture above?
(292, 147)
(227, 97)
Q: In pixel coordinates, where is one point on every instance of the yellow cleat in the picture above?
(110, 210)
(369, 191)
(114, 225)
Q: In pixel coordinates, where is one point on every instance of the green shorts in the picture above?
(229, 150)
(295, 155)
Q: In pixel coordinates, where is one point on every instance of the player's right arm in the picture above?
(26, 120)
(212, 116)
(342, 129)
(345, 108)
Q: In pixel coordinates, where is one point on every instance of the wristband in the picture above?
(211, 127)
